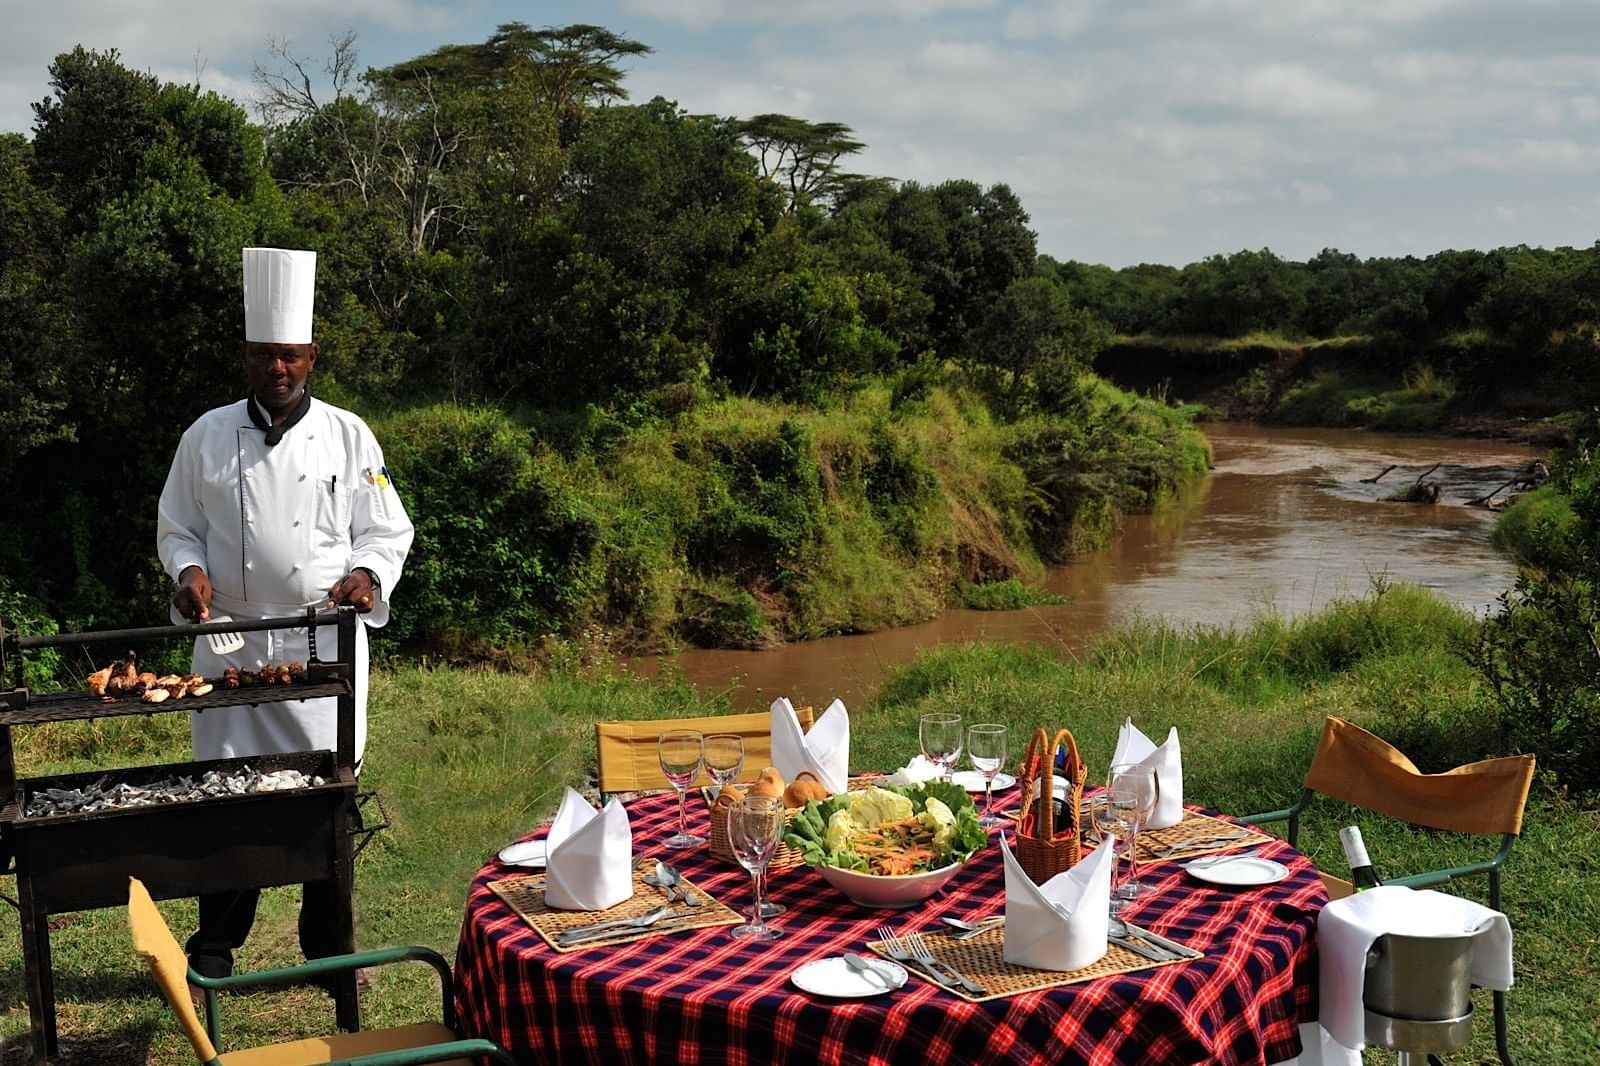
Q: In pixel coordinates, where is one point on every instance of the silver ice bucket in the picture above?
(1418, 993)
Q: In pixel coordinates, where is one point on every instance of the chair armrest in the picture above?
(1266, 816)
(312, 968)
(456, 1049)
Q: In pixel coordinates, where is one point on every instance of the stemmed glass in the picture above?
(1142, 784)
(755, 825)
(986, 747)
(940, 736)
(681, 752)
(724, 758)
(1115, 812)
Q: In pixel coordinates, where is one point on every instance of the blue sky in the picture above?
(1133, 130)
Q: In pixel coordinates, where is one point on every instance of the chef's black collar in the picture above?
(275, 433)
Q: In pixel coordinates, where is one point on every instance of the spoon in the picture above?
(972, 929)
(862, 966)
(668, 877)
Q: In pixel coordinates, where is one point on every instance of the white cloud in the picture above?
(1310, 192)
(700, 14)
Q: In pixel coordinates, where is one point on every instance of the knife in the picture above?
(1181, 950)
(641, 921)
(1139, 947)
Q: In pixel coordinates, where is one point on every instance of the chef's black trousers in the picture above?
(226, 918)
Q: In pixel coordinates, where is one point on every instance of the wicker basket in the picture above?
(786, 857)
(1043, 848)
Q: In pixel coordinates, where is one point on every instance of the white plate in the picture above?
(972, 781)
(834, 977)
(1242, 871)
(529, 854)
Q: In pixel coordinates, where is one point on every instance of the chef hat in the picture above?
(279, 286)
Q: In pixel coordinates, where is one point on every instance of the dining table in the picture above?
(702, 998)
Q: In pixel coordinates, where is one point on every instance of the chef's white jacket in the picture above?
(275, 528)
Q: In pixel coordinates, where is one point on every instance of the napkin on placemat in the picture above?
(1347, 928)
(919, 769)
(590, 856)
(1167, 761)
(825, 751)
(1061, 924)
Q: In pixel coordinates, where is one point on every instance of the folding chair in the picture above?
(1484, 798)
(626, 751)
(407, 1045)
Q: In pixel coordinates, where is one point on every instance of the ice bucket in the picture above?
(1418, 993)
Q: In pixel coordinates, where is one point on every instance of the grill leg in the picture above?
(36, 971)
(346, 999)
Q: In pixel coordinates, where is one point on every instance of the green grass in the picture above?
(469, 759)
(1420, 401)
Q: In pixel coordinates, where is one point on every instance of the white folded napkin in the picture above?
(1167, 761)
(1347, 927)
(825, 751)
(589, 864)
(1061, 924)
(919, 769)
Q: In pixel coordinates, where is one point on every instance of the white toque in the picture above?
(279, 288)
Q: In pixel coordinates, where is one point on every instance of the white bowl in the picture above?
(886, 892)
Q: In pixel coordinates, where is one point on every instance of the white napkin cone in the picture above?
(919, 769)
(590, 856)
(1347, 927)
(1061, 924)
(1167, 761)
(825, 751)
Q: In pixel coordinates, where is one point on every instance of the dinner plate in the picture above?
(1241, 871)
(972, 781)
(835, 978)
(529, 854)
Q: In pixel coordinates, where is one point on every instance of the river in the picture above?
(1283, 522)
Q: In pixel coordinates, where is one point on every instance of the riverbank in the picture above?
(469, 759)
(1465, 385)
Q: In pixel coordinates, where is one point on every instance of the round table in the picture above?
(700, 998)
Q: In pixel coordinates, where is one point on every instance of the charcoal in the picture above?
(101, 795)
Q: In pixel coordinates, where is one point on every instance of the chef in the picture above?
(273, 504)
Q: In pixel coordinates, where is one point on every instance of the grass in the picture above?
(469, 759)
(1420, 401)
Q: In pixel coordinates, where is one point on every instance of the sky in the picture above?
(1133, 130)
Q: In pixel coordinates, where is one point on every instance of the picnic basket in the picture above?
(1045, 848)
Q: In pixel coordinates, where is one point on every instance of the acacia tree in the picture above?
(802, 156)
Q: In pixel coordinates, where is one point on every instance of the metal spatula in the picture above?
(224, 643)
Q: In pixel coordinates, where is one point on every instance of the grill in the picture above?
(82, 860)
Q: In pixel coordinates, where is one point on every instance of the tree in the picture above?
(1033, 344)
(804, 156)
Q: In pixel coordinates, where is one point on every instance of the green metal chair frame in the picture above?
(1352, 765)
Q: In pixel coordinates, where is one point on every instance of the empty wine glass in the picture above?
(940, 736)
(755, 826)
(1114, 813)
(986, 747)
(1141, 782)
(724, 758)
(681, 752)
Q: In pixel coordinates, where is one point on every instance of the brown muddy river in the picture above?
(1283, 523)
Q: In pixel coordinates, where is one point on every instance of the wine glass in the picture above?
(986, 747)
(1141, 782)
(681, 752)
(755, 825)
(724, 758)
(1114, 813)
(940, 736)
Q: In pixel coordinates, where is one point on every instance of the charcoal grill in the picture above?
(82, 860)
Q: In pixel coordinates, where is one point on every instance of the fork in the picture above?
(913, 949)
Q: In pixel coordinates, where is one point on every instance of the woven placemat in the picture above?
(525, 895)
(1196, 829)
(982, 959)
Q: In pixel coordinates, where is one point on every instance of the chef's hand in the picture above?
(355, 588)
(193, 598)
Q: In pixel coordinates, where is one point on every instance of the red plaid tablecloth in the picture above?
(703, 999)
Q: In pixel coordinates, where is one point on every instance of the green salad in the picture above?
(889, 831)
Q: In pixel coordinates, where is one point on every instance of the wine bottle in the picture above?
(1362, 875)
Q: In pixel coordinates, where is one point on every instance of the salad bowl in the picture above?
(888, 891)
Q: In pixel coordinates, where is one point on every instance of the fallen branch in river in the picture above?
(1374, 479)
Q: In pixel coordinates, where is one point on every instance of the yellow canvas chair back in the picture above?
(1485, 798)
(626, 751)
(153, 939)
